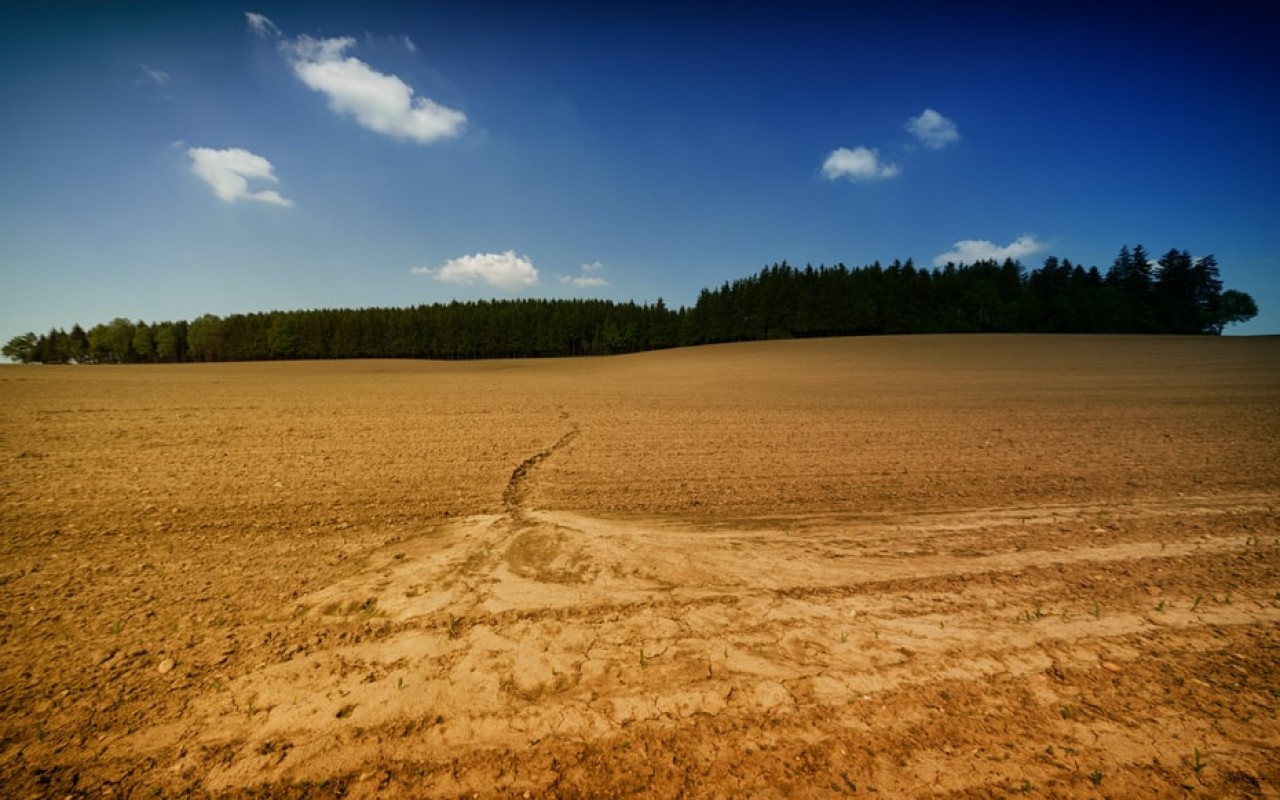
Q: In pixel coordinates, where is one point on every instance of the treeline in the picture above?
(1175, 294)
(485, 329)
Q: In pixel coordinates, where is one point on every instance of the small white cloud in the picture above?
(858, 164)
(228, 172)
(409, 45)
(505, 271)
(933, 130)
(587, 276)
(151, 77)
(967, 251)
(382, 103)
(262, 26)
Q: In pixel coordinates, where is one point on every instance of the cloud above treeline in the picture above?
(933, 130)
(378, 101)
(229, 171)
(858, 164)
(262, 26)
(968, 251)
(863, 163)
(151, 76)
(506, 270)
(588, 276)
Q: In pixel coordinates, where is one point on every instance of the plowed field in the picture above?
(907, 567)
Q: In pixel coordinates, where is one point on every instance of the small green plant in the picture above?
(400, 682)
(642, 659)
(116, 628)
(1066, 712)
(1026, 787)
(1197, 602)
(1160, 606)
(1096, 777)
(1198, 763)
(40, 731)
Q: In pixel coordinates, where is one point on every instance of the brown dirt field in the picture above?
(909, 567)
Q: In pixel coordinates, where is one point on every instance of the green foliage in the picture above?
(144, 346)
(1233, 307)
(204, 338)
(22, 348)
(170, 341)
(120, 333)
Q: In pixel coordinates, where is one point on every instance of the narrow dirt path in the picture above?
(515, 497)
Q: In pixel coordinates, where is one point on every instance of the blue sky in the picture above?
(164, 161)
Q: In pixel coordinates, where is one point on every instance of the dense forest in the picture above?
(1176, 294)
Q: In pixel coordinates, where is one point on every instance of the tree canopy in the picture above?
(1176, 294)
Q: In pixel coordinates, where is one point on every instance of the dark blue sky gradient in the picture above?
(674, 145)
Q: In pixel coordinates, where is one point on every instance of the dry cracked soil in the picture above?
(897, 567)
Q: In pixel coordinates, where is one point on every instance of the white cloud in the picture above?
(409, 45)
(228, 172)
(587, 276)
(932, 129)
(382, 103)
(967, 251)
(152, 77)
(858, 164)
(505, 271)
(261, 26)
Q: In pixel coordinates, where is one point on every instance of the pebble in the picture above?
(166, 666)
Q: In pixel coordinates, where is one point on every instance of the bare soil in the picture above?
(922, 566)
